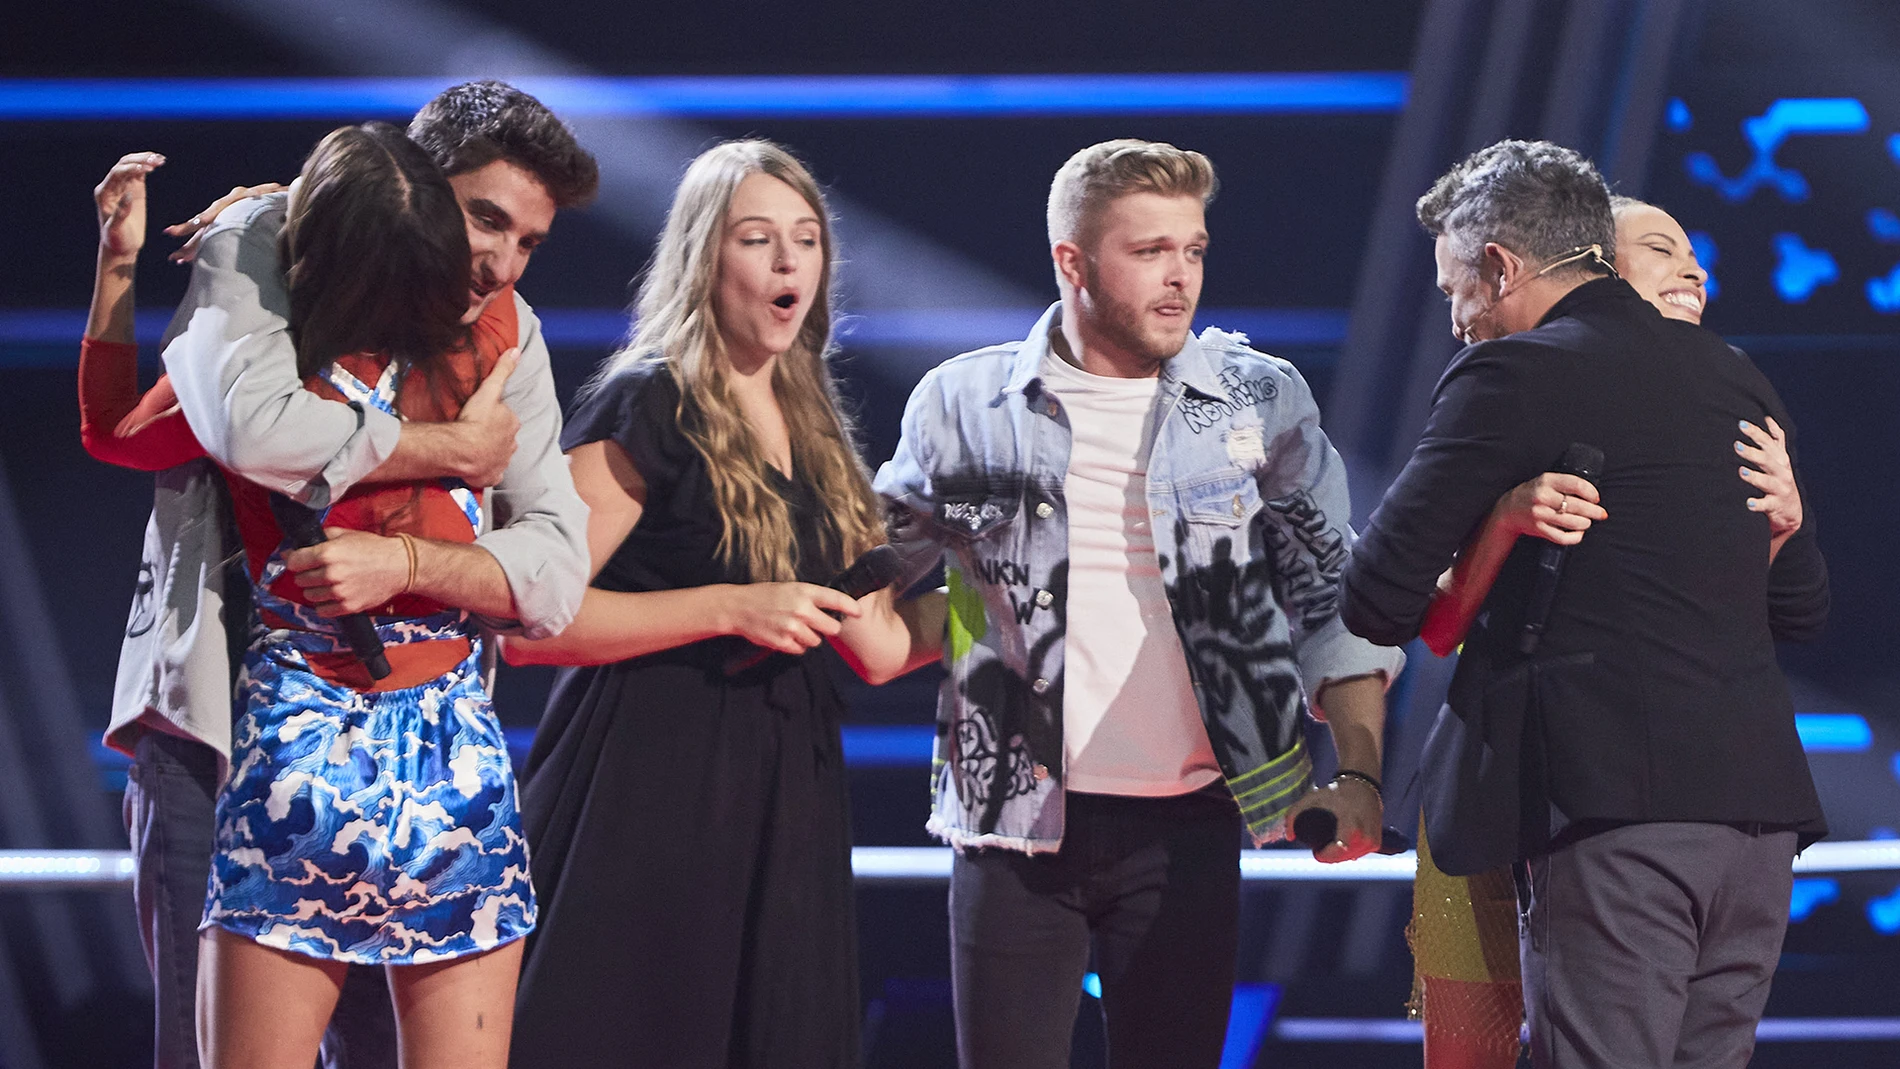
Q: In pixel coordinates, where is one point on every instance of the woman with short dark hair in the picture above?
(367, 818)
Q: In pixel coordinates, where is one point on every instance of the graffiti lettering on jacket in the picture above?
(1226, 610)
(1309, 561)
(1204, 412)
(1006, 728)
(1000, 572)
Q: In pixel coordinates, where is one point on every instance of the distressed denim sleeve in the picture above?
(539, 533)
(230, 357)
(904, 481)
(1307, 510)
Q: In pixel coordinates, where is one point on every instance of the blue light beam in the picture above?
(1248, 1023)
(1833, 732)
(787, 96)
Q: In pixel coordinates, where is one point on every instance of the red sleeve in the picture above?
(120, 427)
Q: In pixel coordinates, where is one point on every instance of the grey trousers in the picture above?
(171, 795)
(171, 791)
(1653, 945)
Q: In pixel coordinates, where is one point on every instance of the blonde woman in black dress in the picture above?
(690, 834)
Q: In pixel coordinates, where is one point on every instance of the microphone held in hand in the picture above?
(1316, 828)
(1586, 463)
(302, 529)
(867, 575)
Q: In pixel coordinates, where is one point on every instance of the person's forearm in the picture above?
(467, 577)
(615, 625)
(425, 451)
(1355, 712)
(894, 638)
(1461, 592)
(1776, 542)
(111, 318)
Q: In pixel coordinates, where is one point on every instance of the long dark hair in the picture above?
(375, 253)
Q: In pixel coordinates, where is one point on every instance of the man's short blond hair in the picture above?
(1101, 173)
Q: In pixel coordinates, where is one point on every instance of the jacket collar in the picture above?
(1192, 367)
(1595, 291)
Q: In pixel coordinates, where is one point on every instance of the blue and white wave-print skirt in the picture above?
(376, 829)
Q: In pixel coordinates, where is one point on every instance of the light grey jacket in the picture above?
(174, 669)
(232, 362)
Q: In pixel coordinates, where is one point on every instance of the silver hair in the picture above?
(1540, 200)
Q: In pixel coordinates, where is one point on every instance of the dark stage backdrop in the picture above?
(1780, 153)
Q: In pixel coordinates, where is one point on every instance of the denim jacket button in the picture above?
(1045, 510)
(1044, 599)
(1040, 686)
(1239, 509)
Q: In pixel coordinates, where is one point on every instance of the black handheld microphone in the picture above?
(1315, 828)
(1586, 463)
(867, 575)
(301, 531)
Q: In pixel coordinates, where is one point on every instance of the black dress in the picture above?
(690, 836)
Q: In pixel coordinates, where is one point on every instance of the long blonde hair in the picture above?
(675, 325)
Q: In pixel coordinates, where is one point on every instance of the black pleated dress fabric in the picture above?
(690, 835)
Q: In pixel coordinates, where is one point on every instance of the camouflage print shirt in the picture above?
(1250, 517)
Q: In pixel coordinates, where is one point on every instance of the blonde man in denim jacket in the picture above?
(1142, 533)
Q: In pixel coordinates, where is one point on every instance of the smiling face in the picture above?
(1139, 280)
(771, 262)
(1654, 256)
(508, 212)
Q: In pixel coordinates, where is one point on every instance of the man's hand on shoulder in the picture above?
(489, 427)
(475, 447)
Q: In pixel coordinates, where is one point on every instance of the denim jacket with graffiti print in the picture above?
(1250, 517)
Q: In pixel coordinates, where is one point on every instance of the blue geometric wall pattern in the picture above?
(1705, 254)
(1883, 226)
(1884, 913)
(1799, 270)
(1678, 118)
(1765, 133)
(1808, 894)
(1883, 291)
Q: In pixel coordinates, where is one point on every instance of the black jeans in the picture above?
(1152, 885)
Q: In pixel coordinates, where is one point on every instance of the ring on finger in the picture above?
(1563, 505)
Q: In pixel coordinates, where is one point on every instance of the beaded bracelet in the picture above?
(1368, 780)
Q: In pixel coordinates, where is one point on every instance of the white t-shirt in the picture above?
(1130, 723)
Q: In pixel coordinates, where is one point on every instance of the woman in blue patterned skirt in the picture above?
(370, 820)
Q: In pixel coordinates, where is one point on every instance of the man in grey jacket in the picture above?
(230, 355)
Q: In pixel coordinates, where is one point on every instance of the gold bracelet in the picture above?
(409, 546)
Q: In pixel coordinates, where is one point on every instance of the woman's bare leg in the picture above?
(260, 1007)
(457, 1014)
